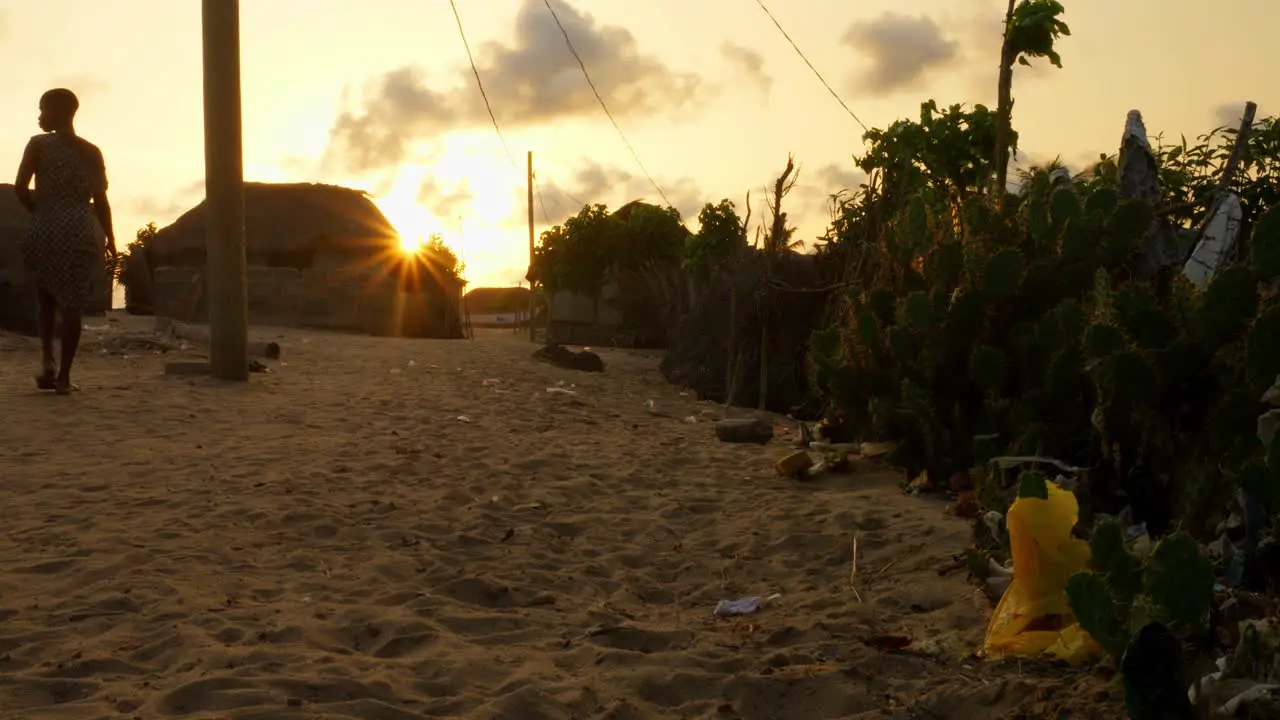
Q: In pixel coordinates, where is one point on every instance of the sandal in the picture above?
(65, 389)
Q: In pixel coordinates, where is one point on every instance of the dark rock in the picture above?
(744, 430)
(563, 357)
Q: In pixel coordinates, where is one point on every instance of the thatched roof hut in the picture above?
(624, 213)
(497, 300)
(285, 225)
(11, 213)
(17, 311)
(318, 256)
(14, 220)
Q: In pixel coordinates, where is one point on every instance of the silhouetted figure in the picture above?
(69, 216)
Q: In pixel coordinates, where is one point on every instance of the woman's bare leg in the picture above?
(46, 323)
(71, 326)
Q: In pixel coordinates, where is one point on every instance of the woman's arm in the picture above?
(26, 170)
(103, 210)
(101, 207)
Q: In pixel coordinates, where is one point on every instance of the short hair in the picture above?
(62, 99)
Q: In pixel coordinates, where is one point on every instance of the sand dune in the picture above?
(331, 540)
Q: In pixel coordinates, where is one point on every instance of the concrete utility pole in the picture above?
(225, 270)
(532, 336)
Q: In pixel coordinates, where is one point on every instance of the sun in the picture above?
(413, 222)
(410, 244)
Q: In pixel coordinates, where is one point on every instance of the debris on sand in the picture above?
(563, 357)
(744, 430)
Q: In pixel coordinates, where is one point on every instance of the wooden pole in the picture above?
(531, 301)
(1004, 110)
(224, 193)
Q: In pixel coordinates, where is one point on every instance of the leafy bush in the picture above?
(134, 273)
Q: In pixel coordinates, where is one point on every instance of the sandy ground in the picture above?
(334, 540)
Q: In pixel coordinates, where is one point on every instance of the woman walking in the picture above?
(69, 217)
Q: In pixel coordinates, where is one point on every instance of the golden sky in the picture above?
(377, 94)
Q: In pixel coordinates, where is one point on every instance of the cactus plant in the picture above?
(1002, 274)
(1118, 596)
(1179, 582)
(1264, 245)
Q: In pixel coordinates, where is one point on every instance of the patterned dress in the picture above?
(64, 247)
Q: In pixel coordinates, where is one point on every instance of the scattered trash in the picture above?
(793, 465)
(463, 418)
(743, 606)
(412, 363)
(1045, 556)
(561, 391)
(806, 439)
(650, 406)
(966, 505)
(994, 521)
(999, 578)
(872, 450)
(489, 382)
(691, 420)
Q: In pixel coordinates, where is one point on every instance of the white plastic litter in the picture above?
(743, 606)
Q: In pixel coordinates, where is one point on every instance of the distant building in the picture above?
(502, 307)
(319, 256)
(626, 314)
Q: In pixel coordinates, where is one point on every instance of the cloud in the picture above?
(164, 210)
(613, 186)
(398, 108)
(1230, 114)
(748, 62)
(900, 50)
(836, 177)
(533, 79)
(812, 193)
(444, 203)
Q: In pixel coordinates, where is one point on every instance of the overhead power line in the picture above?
(800, 52)
(493, 118)
(479, 84)
(603, 106)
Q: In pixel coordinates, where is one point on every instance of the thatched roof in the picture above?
(624, 213)
(12, 215)
(288, 218)
(495, 300)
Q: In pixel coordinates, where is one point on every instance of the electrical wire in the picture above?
(493, 118)
(479, 84)
(538, 188)
(603, 106)
(800, 52)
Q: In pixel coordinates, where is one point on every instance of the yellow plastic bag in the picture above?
(1045, 556)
